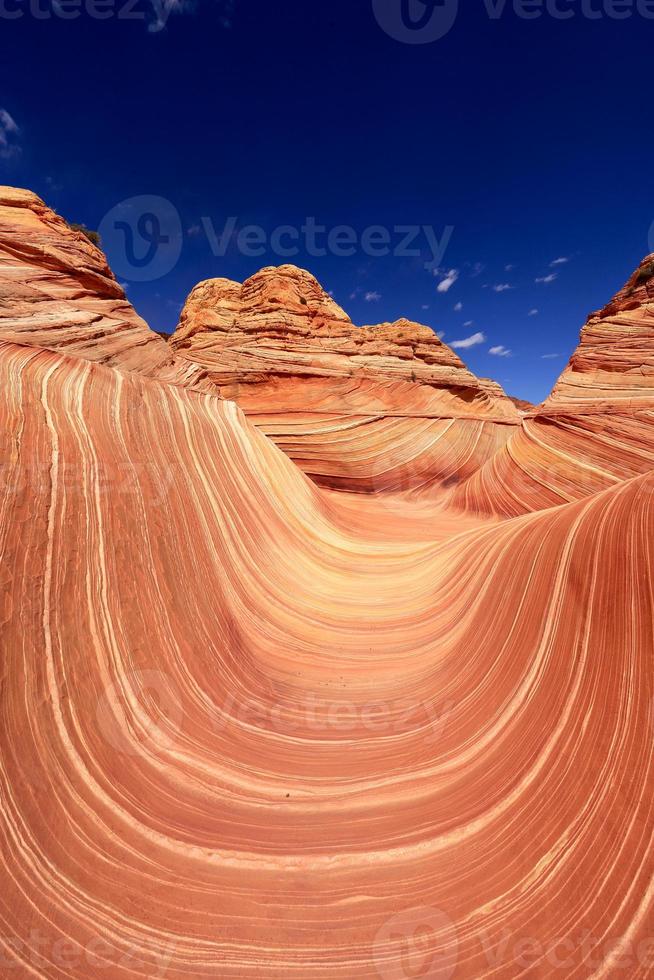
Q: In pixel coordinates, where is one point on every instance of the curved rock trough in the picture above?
(256, 725)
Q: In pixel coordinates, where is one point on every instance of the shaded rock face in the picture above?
(313, 381)
(252, 728)
(57, 291)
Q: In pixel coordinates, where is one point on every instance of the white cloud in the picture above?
(477, 338)
(372, 297)
(440, 334)
(458, 307)
(552, 276)
(550, 357)
(509, 268)
(500, 351)
(502, 287)
(560, 261)
(450, 278)
(534, 312)
(7, 123)
(8, 135)
(468, 323)
(425, 306)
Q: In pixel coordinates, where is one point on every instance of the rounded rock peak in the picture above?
(291, 288)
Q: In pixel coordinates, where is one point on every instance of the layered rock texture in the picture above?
(57, 291)
(253, 727)
(597, 427)
(361, 408)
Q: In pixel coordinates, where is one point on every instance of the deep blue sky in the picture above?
(534, 139)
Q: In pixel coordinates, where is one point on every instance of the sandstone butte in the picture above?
(336, 397)
(256, 727)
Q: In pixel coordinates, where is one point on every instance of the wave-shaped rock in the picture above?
(255, 728)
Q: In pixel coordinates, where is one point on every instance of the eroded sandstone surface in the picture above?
(597, 427)
(343, 401)
(57, 291)
(254, 727)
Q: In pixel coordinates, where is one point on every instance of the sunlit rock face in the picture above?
(253, 727)
(597, 427)
(57, 291)
(373, 408)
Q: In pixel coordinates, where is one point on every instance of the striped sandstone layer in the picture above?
(251, 727)
(242, 741)
(597, 427)
(362, 408)
(57, 291)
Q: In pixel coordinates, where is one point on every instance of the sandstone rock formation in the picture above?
(255, 728)
(335, 397)
(597, 427)
(57, 291)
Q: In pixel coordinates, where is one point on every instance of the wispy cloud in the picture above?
(509, 268)
(425, 306)
(458, 307)
(448, 281)
(476, 338)
(552, 276)
(162, 10)
(8, 136)
(534, 312)
(502, 287)
(372, 297)
(560, 261)
(500, 351)
(550, 357)
(440, 334)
